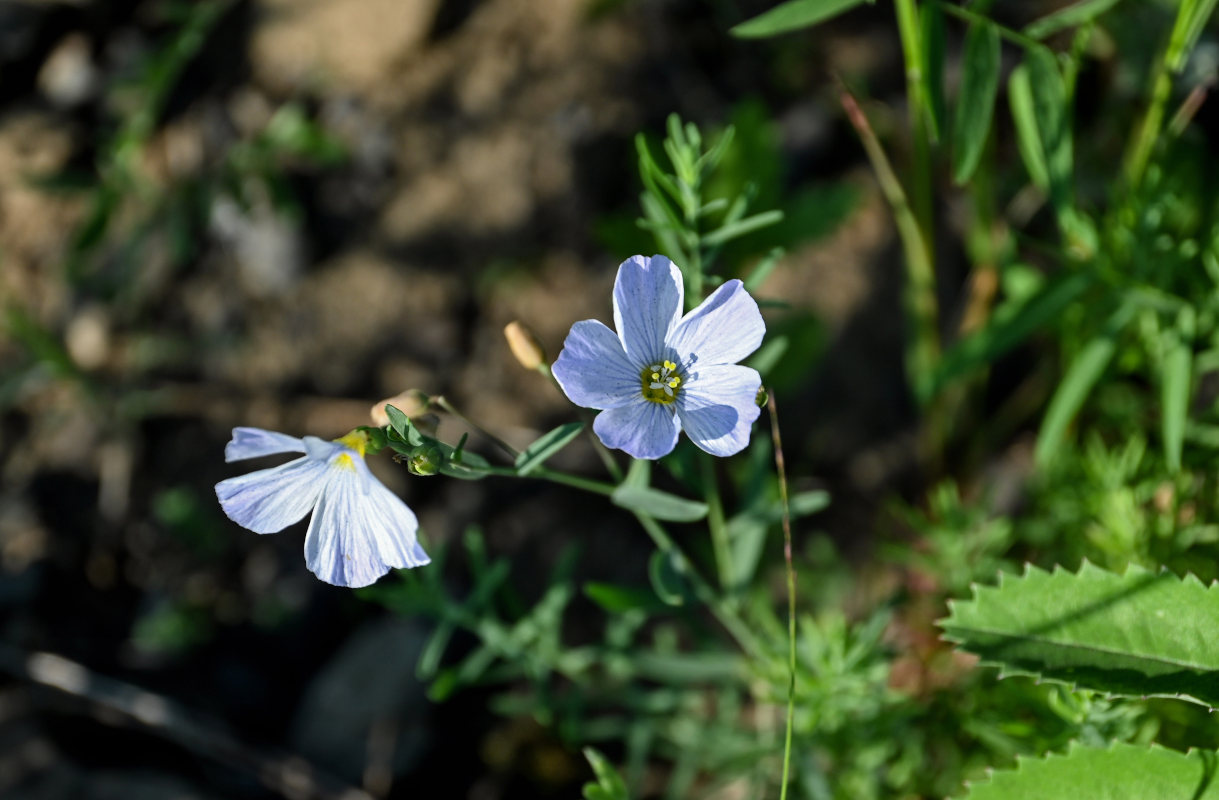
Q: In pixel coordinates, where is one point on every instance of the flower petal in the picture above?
(718, 407)
(641, 429)
(360, 529)
(269, 500)
(648, 298)
(255, 442)
(723, 329)
(593, 369)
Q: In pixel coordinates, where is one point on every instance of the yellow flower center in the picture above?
(356, 440)
(661, 382)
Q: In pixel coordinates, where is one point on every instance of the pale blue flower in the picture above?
(663, 373)
(359, 528)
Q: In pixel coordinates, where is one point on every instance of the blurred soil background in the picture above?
(276, 212)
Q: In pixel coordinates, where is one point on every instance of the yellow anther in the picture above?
(655, 376)
(670, 365)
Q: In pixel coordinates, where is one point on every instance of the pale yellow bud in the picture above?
(524, 345)
(412, 402)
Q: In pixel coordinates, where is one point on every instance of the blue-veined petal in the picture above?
(718, 407)
(593, 369)
(360, 529)
(641, 429)
(255, 442)
(723, 329)
(269, 500)
(648, 298)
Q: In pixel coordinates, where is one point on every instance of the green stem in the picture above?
(542, 473)
(716, 524)
(1149, 131)
(442, 402)
(1015, 37)
(920, 302)
(702, 590)
(607, 458)
(781, 470)
(919, 111)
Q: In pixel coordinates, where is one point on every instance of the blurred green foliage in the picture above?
(1068, 410)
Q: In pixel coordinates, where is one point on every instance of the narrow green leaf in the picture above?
(1068, 17)
(609, 785)
(1028, 138)
(742, 227)
(697, 667)
(976, 105)
(658, 504)
(546, 446)
(763, 269)
(931, 20)
(747, 537)
(805, 503)
(1053, 123)
(1174, 398)
(639, 473)
(1199, 14)
(1139, 634)
(747, 530)
(791, 16)
(1009, 328)
(469, 466)
(400, 424)
(1082, 375)
(618, 599)
(665, 573)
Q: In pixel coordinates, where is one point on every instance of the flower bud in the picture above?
(425, 460)
(524, 345)
(412, 402)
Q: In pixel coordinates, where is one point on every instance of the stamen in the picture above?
(660, 382)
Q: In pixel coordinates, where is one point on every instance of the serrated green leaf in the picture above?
(976, 105)
(1118, 772)
(791, 16)
(658, 504)
(1139, 634)
(1068, 17)
(546, 446)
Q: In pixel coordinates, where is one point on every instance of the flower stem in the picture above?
(702, 590)
(715, 523)
(442, 402)
(544, 474)
(918, 105)
(1174, 56)
(780, 469)
(921, 306)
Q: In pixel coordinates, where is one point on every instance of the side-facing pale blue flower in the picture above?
(663, 373)
(359, 528)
